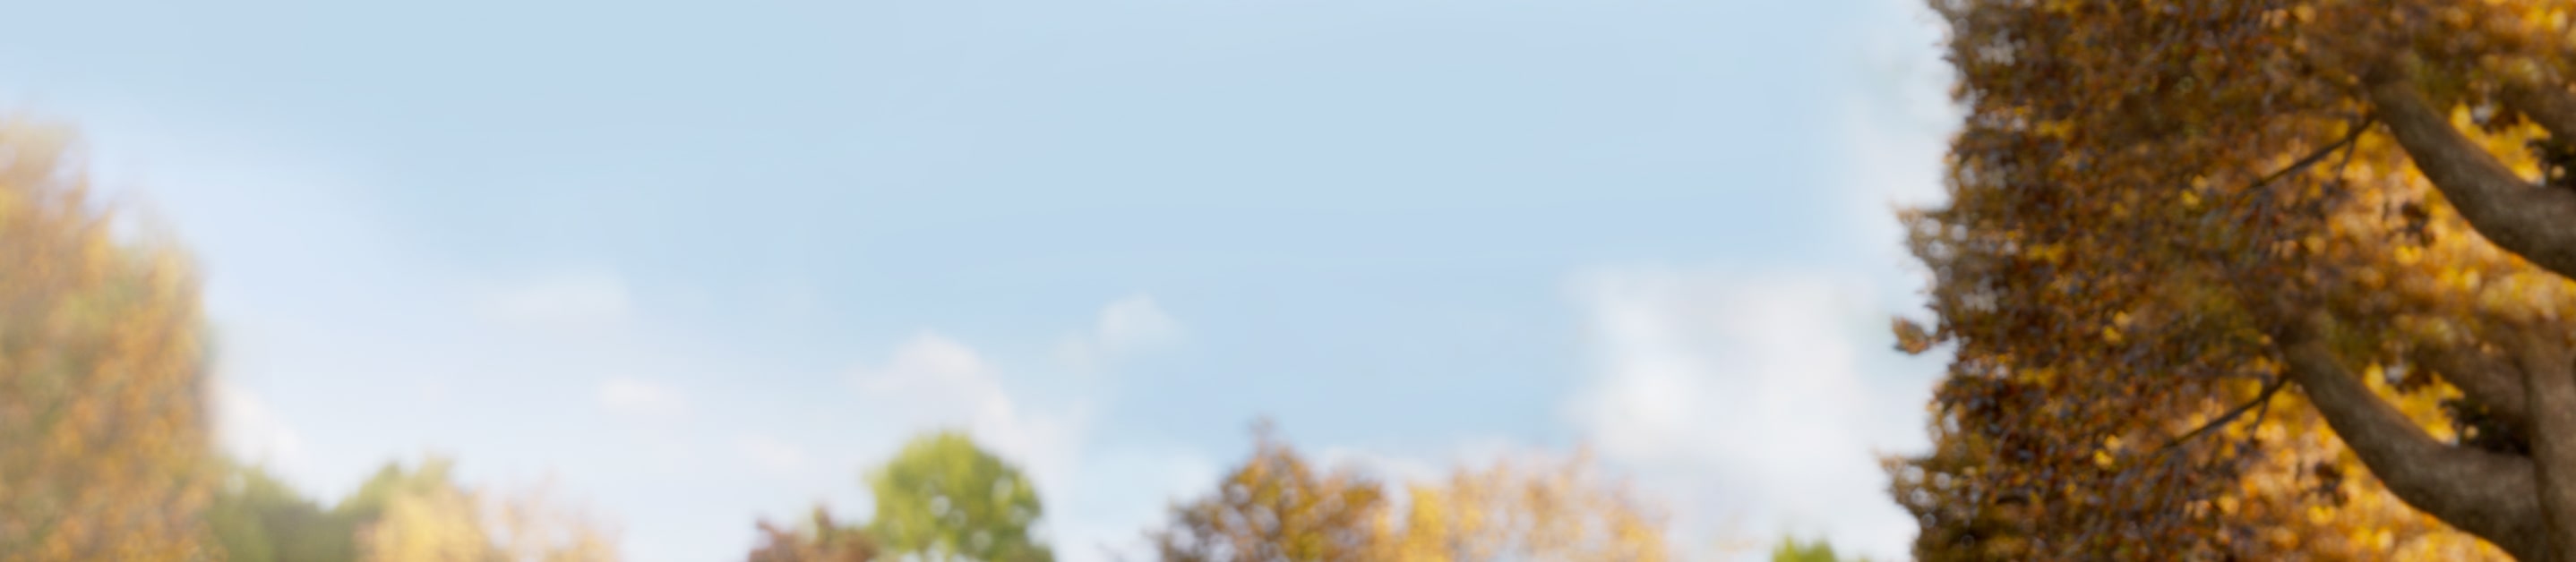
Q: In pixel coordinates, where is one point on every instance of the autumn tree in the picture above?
(943, 498)
(420, 516)
(819, 539)
(2182, 236)
(104, 452)
(537, 524)
(1531, 508)
(1277, 506)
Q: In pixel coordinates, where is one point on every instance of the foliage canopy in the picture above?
(943, 498)
(102, 373)
(2162, 214)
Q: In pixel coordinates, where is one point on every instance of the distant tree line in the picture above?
(105, 454)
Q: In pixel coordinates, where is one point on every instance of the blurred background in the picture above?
(680, 269)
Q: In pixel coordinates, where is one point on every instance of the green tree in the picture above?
(104, 451)
(943, 498)
(256, 518)
(1793, 550)
(2222, 276)
(416, 513)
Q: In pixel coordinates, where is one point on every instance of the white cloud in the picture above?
(1899, 121)
(1757, 405)
(1128, 326)
(642, 398)
(566, 301)
(933, 382)
(929, 360)
(252, 433)
(1136, 323)
(1743, 401)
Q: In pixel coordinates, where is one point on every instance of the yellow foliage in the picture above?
(1536, 509)
(1277, 506)
(533, 526)
(426, 524)
(426, 517)
(103, 449)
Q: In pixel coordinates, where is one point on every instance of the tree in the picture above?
(423, 515)
(818, 540)
(534, 524)
(256, 518)
(1792, 550)
(1278, 507)
(943, 498)
(1534, 509)
(102, 373)
(2164, 216)
(419, 516)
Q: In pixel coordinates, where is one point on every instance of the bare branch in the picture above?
(2358, 127)
(2261, 399)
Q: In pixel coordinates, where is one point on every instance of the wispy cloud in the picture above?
(1745, 400)
(1128, 326)
(932, 382)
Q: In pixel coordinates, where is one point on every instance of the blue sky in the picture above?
(704, 262)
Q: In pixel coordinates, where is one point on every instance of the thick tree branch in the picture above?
(2489, 378)
(2549, 382)
(2486, 494)
(2526, 219)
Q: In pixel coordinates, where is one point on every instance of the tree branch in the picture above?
(2550, 390)
(2537, 223)
(2260, 399)
(2486, 494)
(2358, 127)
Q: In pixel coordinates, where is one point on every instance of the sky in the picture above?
(699, 263)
